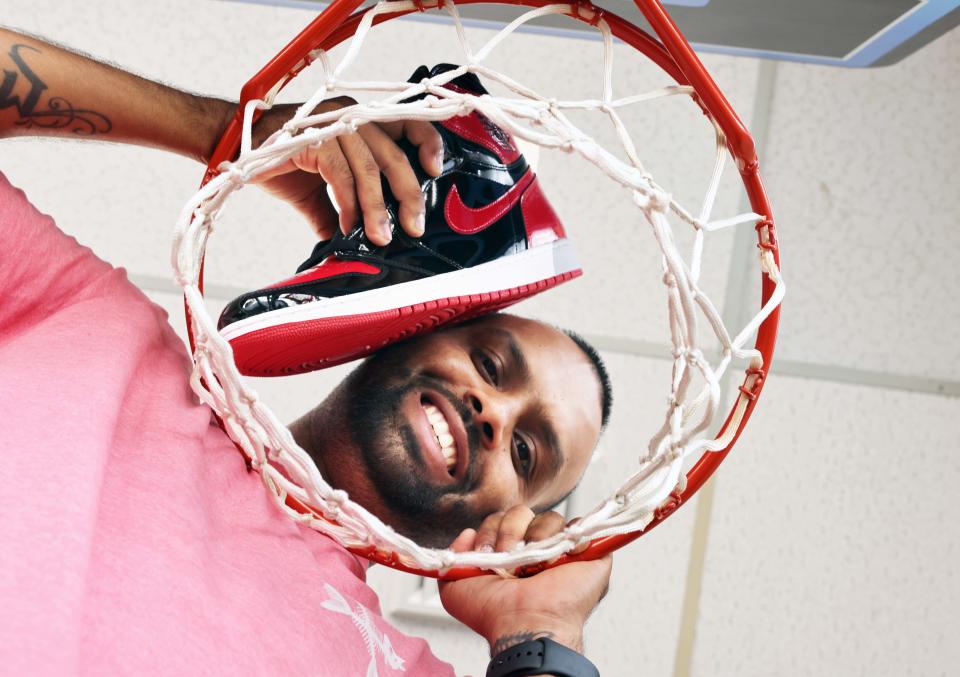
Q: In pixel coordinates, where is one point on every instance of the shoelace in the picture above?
(356, 246)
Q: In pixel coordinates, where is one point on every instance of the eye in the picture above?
(488, 368)
(523, 455)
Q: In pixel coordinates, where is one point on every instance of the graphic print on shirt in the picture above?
(374, 639)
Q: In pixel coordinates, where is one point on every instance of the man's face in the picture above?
(435, 434)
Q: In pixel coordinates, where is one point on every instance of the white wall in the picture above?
(826, 544)
(832, 545)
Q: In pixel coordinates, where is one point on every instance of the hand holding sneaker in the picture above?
(352, 165)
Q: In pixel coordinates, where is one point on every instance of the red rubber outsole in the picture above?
(300, 347)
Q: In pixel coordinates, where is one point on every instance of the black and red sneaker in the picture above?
(491, 239)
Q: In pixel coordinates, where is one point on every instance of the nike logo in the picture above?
(469, 220)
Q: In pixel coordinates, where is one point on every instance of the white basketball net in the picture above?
(287, 470)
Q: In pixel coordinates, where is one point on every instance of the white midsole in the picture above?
(533, 265)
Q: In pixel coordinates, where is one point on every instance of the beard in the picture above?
(390, 451)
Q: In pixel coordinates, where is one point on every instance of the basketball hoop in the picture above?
(659, 486)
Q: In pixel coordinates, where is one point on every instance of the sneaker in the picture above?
(491, 239)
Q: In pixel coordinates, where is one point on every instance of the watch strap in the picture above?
(541, 657)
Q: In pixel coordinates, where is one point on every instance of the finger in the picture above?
(604, 569)
(487, 533)
(331, 164)
(366, 176)
(429, 143)
(595, 580)
(464, 541)
(513, 527)
(403, 181)
(607, 563)
(423, 135)
(544, 526)
(321, 214)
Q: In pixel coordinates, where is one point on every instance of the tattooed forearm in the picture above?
(23, 90)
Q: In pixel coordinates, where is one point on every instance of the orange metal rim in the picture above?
(671, 52)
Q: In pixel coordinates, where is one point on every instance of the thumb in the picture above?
(464, 542)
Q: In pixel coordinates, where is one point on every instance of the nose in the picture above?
(492, 413)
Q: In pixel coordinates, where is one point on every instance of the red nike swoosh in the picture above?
(467, 221)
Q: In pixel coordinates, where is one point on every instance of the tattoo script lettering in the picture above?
(58, 114)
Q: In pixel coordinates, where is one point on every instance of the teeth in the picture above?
(442, 430)
(451, 457)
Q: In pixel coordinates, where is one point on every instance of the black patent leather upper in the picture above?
(480, 178)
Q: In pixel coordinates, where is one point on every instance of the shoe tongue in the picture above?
(356, 241)
(319, 254)
(467, 81)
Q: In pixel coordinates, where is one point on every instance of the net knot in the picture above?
(671, 503)
(336, 498)
(333, 510)
(752, 390)
(235, 174)
(291, 127)
(674, 454)
(574, 532)
(652, 201)
(587, 12)
(447, 559)
(770, 243)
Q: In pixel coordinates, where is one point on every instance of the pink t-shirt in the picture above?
(132, 538)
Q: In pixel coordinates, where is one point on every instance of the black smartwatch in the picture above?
(541, 657)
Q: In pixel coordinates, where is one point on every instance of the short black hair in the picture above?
(606, 397)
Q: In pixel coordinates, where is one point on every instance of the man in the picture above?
(499, 390)
(136, 541)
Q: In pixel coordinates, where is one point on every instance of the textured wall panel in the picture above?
(862, 169)
(833, 544)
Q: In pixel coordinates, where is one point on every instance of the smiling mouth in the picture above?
(441, 429)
